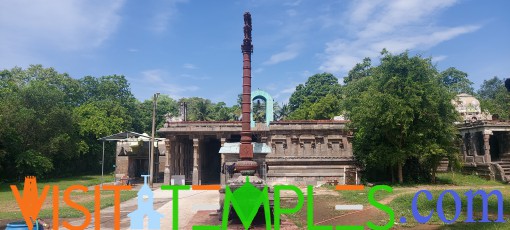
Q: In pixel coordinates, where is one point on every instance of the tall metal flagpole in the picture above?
(151, 152)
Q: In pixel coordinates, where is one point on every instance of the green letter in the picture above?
(278, 210)
(380, 206)
(246, 201)
(309, 211)
(175, 202)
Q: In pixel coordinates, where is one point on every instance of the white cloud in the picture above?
(291, 51)
(292, 3)
(158, 80)
(65, 25)
(163, 14)
(291, 12)
(153, 75)
(439, 58)
(395, 25)
(189, 66)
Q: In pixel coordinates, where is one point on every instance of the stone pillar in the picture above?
(168, 147)
(195, 161)
(187, 156)
(465, 149)
(474, 145)
(175, 158)
(486, 144)
(181, 159)
(222, 176)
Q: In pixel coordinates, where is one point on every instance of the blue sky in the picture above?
(188, 48)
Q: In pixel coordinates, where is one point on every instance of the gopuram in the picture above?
(276, 152)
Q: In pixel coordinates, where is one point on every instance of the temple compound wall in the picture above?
(288, 152)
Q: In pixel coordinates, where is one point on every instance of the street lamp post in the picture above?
(151, 152)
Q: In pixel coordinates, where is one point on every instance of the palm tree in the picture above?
(203, 110)
(283, 112)
(259, 111)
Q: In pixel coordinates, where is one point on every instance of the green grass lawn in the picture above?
(10, 209)
(464, 180)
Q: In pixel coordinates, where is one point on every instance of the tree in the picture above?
(326, 108)
(221, 112)
(359, 71)
(50, 122)
(166, 105)
(38, 135)
(199, 109)
(494, 97)
(316, 87)
(259, 110)
(283, 112)
(457, 81)
(401, 112)
(490, 88)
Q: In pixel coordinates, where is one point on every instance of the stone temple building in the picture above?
(485, 148)
(288, 152)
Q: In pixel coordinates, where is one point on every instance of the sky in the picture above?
(185, 48)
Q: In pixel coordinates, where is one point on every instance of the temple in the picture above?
(288, 152)
(485, 146)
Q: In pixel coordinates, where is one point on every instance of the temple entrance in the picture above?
(138, 167)
(210, 161)
(495, 144)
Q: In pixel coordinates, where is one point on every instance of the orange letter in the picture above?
(55, 207)
(97, 208)
(67, 200)
(116, 202)
(31, 203)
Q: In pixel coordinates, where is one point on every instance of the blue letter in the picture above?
(414, 207)
(485, 205)
(440, 211)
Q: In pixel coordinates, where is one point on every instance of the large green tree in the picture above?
(401, 112)
(50, 122)
(494, 97)
(38, 134)
(457, 81)
(317, 87)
